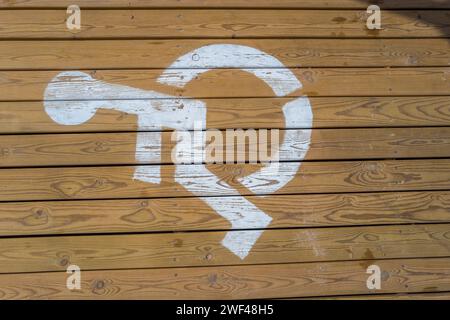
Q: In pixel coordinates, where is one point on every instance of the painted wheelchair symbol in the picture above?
(73, 97)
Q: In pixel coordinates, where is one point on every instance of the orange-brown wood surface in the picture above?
(372, 184)
(238, 282)
(343, 82)
(304, 4)
(225, 23)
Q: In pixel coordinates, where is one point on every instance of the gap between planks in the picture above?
(191, 214)
(147, 24)
(233, 83)
(132, 54)
(313, 177)
(30, 117)
(230, 4)
(123, 148)
(37, 254)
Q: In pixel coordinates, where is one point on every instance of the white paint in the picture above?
(185, 69)
(242, 215)
(226, 56)
(241, 242)
(282, 81)
(182, 153)
(148, 150)
(295, 113)
(189, 146)
(73, 22)
(149, 174)
(215, 186)
(148, 147)
(73, 97)
(294, 147)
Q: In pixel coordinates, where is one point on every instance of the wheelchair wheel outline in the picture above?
(297, 113)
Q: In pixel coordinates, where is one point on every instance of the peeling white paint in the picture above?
(148, 150)
(241, 242)
(148, 147)
(185, 69)
(73, 97)
(149, 174)
(242, 215)
(189, 147)
(295, 112)
(227, 56)
(282, 82)
(294, 147)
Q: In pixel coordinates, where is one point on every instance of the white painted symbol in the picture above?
(374, 280)
(73, 97)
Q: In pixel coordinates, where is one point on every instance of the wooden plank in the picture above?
(220, 180)
(205, 249)
(304, 4)
(120, 148)
(146, 24)
(407, 276)
(329, 112)
(110, 54)
(30, 85)
(189, 214)
(236, 282)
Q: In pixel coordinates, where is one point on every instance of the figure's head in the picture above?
(62, 98)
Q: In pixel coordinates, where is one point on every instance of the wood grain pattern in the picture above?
(110, 54)
(313, 177)
(236, 282)
(67, 193)
(145, 24)
(304, 4)
(326, 144)
(205, 249)
(329, 112)
(229, 83)
(188, 214)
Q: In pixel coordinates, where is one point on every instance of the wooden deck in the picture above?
(372, 188)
